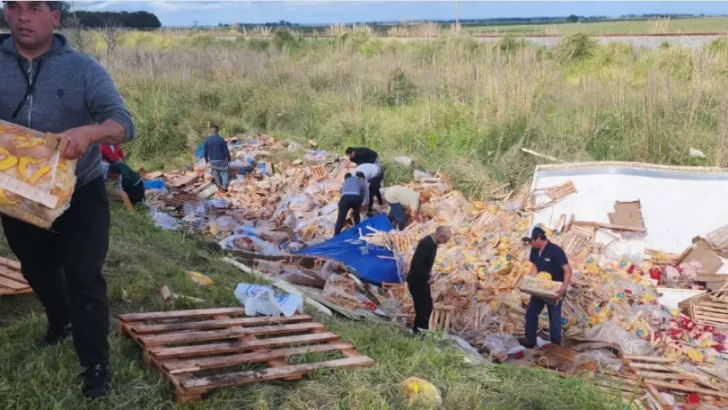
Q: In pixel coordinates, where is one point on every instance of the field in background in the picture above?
(654, 26)
(595, 27)
(452, 103)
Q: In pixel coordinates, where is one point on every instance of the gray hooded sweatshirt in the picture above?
(70, 90)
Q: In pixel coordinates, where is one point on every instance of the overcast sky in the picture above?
(185, 13)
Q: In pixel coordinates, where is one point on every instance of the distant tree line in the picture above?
(489, 21)
(136, 20)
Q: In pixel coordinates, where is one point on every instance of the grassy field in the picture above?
(452, 104)
(688, 25)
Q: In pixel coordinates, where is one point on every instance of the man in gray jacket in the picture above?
(354, 194)
(47, 86)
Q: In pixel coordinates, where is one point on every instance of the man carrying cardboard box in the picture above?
(47, 86)
(546, 257)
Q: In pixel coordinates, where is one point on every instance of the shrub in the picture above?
(576, 47)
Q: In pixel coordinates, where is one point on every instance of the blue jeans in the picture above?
(219, 170)
(535, 306)
(398, 215)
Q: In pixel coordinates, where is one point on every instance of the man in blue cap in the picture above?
(546, 257)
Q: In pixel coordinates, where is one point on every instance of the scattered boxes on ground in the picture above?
(482, 282)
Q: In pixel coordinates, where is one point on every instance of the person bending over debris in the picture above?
(363, 155)
(354, 194)
(373, 174)
(216, 153)
(402, 200)
(131, 182)
(546, 257)
(419, 277)
(47, 86)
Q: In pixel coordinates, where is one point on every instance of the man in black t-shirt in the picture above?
(546, 257)
(419, 277)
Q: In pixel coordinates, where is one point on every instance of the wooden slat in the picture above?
(189, 337)
(648, 359)
(194, 365)
(253, 376)
(217, 324)
(178, 314)
(11, 284)
(239, 346)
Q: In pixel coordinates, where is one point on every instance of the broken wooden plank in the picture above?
(204, 336)
(178, 314)
(218, 324)
(198, 364)
(610, 226)
(253, 376)
(239, 346)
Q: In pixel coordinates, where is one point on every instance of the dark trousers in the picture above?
(397, 215)
(535, 306)
(346, 203)
(63, 266)
(136, 193)
(374, 185)
(422, 298)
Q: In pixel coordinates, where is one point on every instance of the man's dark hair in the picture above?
(348, 175)
(53, 5)
(360, 175)
(215, 127)
(349, 150)
(115, 168)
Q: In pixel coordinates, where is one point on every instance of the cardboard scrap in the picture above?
(628, 214)
(703, 253)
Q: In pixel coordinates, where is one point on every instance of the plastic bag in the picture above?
(604, 357)
(164, 221)
(298, 277)
(300, 203)
(610, 332)
(261, 299)
(502, 344)
(415, 389)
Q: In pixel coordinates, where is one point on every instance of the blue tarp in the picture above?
(154, 184)
(200, 151)
(360, 257)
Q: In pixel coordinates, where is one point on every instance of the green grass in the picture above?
(688, 25)
(452, 103)
(143, 258)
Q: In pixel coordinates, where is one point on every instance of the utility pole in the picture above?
(457, 16)
(195, 23)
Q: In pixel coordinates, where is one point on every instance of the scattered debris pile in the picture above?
(273, 210)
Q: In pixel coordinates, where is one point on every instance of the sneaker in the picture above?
(96, 381)
(526, 343)
(54, 337)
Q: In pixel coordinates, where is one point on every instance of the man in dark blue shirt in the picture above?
(218, 156)
(546, 257)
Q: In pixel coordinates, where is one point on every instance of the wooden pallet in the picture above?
(187, 345)
(711, 308)
(319, 172)
(11, 280)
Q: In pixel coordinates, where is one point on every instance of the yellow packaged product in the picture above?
(36, 183)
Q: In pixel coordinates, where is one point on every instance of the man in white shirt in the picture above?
(373, 174)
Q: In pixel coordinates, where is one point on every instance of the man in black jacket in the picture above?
(362, 155)
(419, 278)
